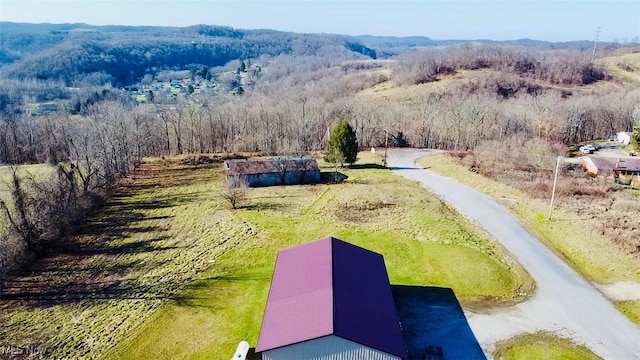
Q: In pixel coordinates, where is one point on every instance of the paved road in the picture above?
(564, 302)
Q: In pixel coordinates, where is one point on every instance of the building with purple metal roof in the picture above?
(330, 300)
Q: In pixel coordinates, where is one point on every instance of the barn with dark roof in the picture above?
(330, 300)
(272, 171)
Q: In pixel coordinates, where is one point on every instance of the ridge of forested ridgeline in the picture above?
(93, 101)
(122, 55)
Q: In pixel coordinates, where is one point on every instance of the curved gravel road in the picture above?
(564, 302)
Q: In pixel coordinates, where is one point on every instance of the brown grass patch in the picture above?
(606, 208)
(364, 211)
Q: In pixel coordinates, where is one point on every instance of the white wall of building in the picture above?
(327, 348)
(623, 138)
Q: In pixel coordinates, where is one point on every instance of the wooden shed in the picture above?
(330, 300)
(272, 171)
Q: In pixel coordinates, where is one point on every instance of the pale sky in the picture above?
(457, 19)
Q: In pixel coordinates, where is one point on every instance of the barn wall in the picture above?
(303, 177)
(270, 179)
(274, 179)
(327, 348)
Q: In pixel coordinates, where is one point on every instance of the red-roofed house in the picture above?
(330, 300)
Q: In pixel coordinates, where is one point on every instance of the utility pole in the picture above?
(386, 145)
(555, 181)
(595, 43)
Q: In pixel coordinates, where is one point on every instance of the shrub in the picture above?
(234, 194)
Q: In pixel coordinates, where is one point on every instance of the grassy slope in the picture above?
(590, 254)
(541, 346)
(625, 67)
(631, 309)
(130, 259)
(422, 240)
(24, 172)
(27, 172)
(391, 92)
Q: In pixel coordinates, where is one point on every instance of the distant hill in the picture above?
(387, 46)
(124, 54)
(393, 41)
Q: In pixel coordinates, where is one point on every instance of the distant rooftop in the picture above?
(616, 163)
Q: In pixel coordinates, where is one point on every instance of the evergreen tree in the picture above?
(343, 144)
(635, 138)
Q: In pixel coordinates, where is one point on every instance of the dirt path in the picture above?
(564, 302)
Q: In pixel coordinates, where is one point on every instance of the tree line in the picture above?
(297, 99)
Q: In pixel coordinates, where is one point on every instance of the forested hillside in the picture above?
(123, 55)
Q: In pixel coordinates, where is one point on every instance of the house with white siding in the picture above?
(624, 137)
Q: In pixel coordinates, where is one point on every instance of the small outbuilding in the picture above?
(330, 300)
(272, 171)
(624, 137)
(625, 170)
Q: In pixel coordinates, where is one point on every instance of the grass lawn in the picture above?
(423, 242)
(167, 271)
(541, 346)
(630, 309)
(591, 254)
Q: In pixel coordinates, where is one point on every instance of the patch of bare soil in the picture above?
(363, 211)
(621, 291)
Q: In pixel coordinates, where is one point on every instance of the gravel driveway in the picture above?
(564, 302)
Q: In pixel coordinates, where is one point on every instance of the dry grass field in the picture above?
(622, 69)
(34, 171)
(167, 270)
(625, 67)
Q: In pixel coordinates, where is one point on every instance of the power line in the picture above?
(595, 43)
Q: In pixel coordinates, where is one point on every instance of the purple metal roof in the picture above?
(331, 287)
(364, 310)
(300, 304)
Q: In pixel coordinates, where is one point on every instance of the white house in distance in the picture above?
(624, 137)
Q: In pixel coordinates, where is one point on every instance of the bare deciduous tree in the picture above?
(233, 194)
